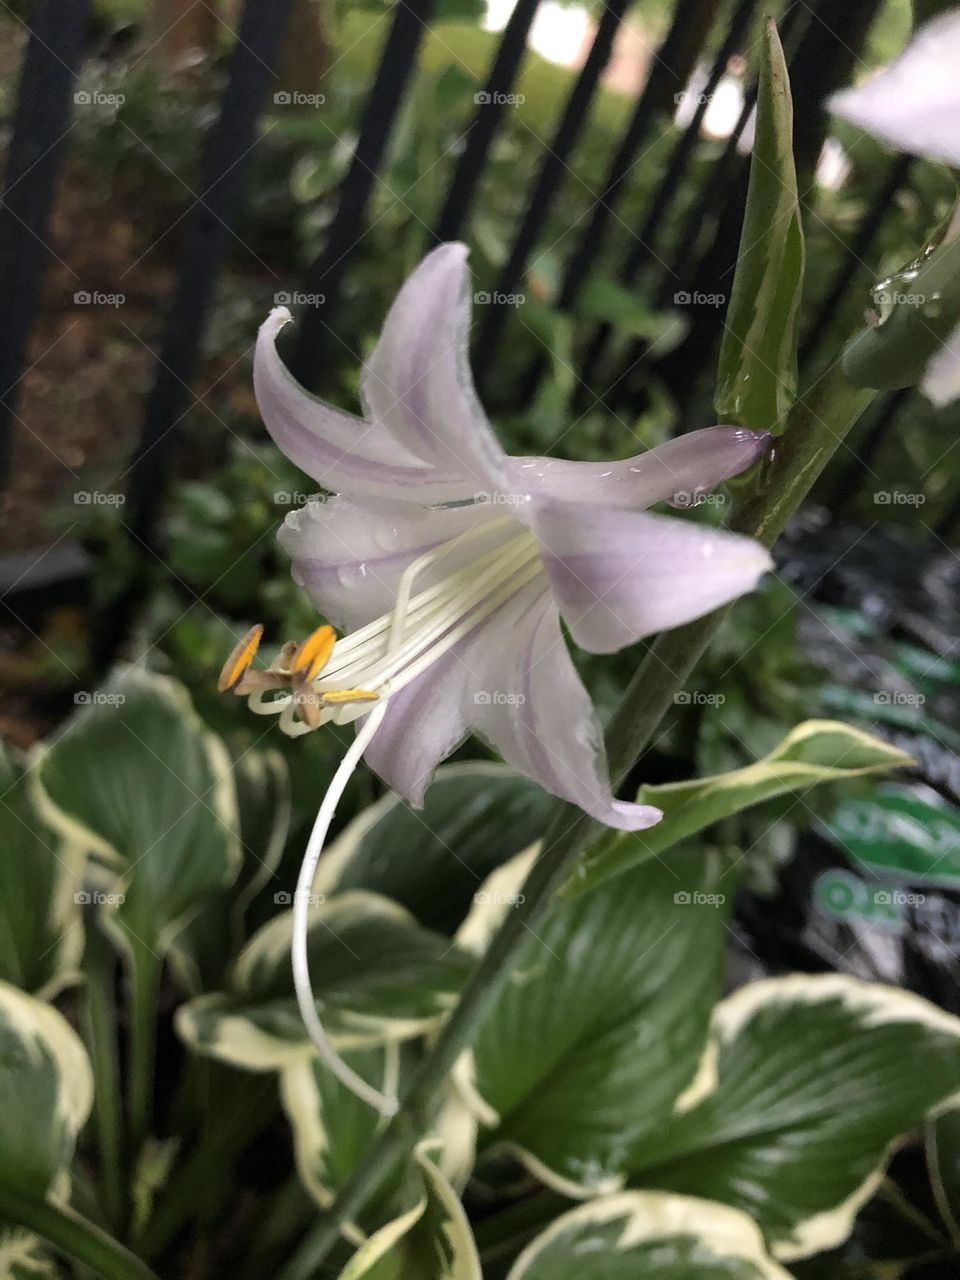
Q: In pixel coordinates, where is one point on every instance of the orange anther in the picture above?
(239, 661)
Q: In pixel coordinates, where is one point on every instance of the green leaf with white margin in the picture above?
(377, 974)
(807, 1083)
(757, 373)
(211, 941)
(646, 1235)
(943, 1159)
(815, 751)
(603, 1022)
(137, 781)
(431, 1241)
(432, 861)
(46, 1091)
(41, 935)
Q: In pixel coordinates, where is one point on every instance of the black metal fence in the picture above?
(667, 253)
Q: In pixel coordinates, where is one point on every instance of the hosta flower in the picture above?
(449, 565)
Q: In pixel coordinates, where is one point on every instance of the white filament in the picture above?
(434, 620)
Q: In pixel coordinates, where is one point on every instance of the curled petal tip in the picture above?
(275, 321)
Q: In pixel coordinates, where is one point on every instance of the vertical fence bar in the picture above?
(506, 64)
(663, 198)
(37, 148)
(325, 278)
(549, 177)
(224, 168)
(853, 261)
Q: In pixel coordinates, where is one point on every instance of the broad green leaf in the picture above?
(431, 1241)
(757, 374)
(603, 1022)
(807, 1083)
(645, 1235)
(41, 934)
(46, 1091)
(434, 860)
(378, 976)
(943, 1157)
(816, 751)
(210, 942)
(135, 780)
(900, 832)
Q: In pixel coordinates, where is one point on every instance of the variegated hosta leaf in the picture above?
(816, 751)
(41, 936)
(943, 1157)
(378, 976)
(434, 860)
(807, 1082)
(645, 1235)
(46, 1091)
(430, 1241)
(602, 1023)
(210, 942)
(136, 780)
(23, 1256)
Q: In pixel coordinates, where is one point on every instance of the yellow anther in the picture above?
(239, 661)
(336, 697)
(314, 654)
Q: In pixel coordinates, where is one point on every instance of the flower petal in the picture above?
(349, 556)
(913, 104)
(417, 382)
(339, 451)
(674, 472)
(621, 575)
(512, 681)
(941, 379)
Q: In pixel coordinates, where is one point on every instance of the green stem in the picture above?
(73, 1236)
(145, 973)
(99, 964)
(814, 432)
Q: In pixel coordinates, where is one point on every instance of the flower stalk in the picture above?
(816, 428)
